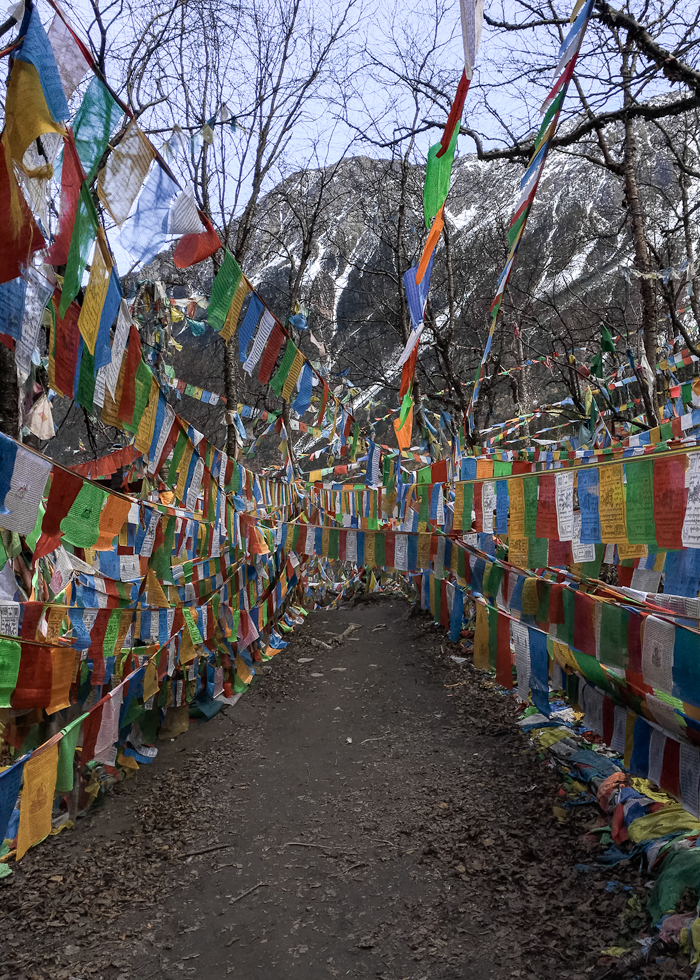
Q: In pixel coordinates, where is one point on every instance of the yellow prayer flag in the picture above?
(611, 504)
(62, 662)
(423, 556)
(369, 549)
(530, 599)
(27, 117)
(518, 549)
(293, 376)
(37, 798)
(144, 436)
(183, 471)
(95, 293)
(231, 321)
(563, 655)
(459, 506)
(150, 680)
(481, 637)
(243, 670)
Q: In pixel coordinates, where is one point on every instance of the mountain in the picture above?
(351, 219)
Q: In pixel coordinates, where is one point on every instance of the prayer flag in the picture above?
(37, 798)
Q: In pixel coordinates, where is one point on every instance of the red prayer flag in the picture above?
(65, 352)
(72, 177)
(455, 113)
(504, 657)
(133, 359)
(270, 354)
(195, 248)
(669, 500)
(546, 526)
(65, 487)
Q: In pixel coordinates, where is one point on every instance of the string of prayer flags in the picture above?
(530, 180)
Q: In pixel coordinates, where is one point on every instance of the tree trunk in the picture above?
(231, 391)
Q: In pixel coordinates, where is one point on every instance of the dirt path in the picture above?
(376, 821)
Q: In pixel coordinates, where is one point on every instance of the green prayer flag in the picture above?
(494, 581)
(542, 614)
(606, 341)
(225, 285)
(565, 630)
(285, 366)
(530, 506)
(467, 508)
(613, 636)
(493, 634)
(355, 436)
(549, 115)
(591, 569)
(424, 512)
(665, 431)
(379, 555)
(405, 408)
(641, 528)
(537, 552)
(66, 755)
(333, 542)
(10, 654)
(192, 627)
(178, 453)
(33, 538)
(437, 178)
(81, 525)
(516, 227)
(84, 234)
(86, 380)
(592, 670)
(93, 125)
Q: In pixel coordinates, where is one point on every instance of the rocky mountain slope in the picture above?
(354, 217)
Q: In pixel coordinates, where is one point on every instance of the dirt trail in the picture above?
(375, 820)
